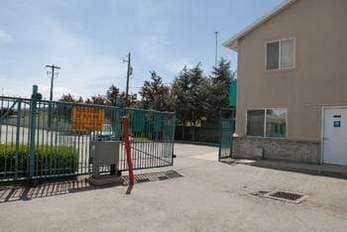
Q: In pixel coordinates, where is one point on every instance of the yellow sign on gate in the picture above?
(87, 119)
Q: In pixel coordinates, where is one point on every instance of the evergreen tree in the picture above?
(218, 88)
(181, 93)
(189, 92)
(222, 73)
(67, 98)
(155, 95)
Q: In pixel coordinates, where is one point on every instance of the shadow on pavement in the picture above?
(73, 185)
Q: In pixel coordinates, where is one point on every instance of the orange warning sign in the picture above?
(87, 119)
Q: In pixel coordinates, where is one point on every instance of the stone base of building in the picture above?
(277, 149)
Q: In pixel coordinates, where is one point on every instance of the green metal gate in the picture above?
(226, 131)
(37, 138)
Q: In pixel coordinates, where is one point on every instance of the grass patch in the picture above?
(140, 140)
(48, 160)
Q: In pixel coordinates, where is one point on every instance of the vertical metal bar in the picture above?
(37, 139)
(12, 146)
(24, 138)
(2, 112)
(6, 138)
(56, 145)
(17, 137)
(220, 128)
(32, 128)
(173, 138)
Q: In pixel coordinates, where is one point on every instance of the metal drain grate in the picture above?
(286, 196)
(163, 177)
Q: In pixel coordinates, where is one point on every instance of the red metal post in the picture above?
(128, 149)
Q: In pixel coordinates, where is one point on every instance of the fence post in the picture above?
(32, 130)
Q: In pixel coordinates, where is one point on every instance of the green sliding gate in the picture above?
(40, 138)
(226, 131)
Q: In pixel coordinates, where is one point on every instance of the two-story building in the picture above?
(292, 84)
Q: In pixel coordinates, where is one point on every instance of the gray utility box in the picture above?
(104, 155)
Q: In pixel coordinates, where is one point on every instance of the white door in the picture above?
(335, 136)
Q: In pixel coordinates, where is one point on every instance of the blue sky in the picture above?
(89, 39)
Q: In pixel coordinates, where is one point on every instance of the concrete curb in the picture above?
(312, 169)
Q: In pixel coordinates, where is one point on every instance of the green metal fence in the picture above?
(37, 138)
(152, 139)
(226, 131)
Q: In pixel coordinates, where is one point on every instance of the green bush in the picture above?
(48, 160)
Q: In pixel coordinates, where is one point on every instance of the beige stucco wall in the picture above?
(320, 76)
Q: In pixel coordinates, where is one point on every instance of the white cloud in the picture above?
(5, 37)
(44, 38)
(177, 65)
(85, 70)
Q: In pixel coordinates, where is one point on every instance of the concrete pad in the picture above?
(212, 156)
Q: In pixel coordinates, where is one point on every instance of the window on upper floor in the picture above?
(280, 55)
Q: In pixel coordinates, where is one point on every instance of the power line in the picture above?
(53, 74)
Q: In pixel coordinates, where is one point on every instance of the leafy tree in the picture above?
(131, 101)
(88, 101)
(99, 100)
(155, 95)
(67, 98)
(112, 94)
(80, 100)
(63, 109)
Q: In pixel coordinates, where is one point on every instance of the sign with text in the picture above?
(337, 124)
(87, 119)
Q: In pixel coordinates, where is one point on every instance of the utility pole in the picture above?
(216, 57)
(53, 68)
(129, 72)
(53, 73)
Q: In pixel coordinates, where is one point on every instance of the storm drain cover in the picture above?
(163, 177)
(285, 196)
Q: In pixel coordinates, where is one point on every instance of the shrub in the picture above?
(48, 160)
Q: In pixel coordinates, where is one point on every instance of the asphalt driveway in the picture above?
(197, 194)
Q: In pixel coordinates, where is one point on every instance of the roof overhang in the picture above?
(233, 42)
